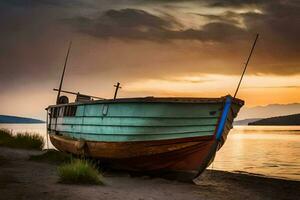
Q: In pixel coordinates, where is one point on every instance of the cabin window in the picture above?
(61, 112)
(54, 112)
(70, 111)
(51, 112)
(73, 110)
(66, 111)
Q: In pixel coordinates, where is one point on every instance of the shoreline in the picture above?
(21, 178)
(260, 175)
(279, 142)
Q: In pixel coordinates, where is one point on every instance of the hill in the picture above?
(280, 120)
(245, 121)
(6, 119)
(267, 111)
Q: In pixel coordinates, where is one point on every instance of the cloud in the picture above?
(34, 35)
(216, 31)
(236, 3)
(129, 40)
(136, 24)
(33, 3)
(228, 17)
(124, 24)
(141, 25)
(213, 3)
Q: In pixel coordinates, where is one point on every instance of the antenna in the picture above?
(63, 74)
(117, 89)
(246, 64)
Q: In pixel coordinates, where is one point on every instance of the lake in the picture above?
(267, 150)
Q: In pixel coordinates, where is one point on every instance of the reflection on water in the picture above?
(268, 150)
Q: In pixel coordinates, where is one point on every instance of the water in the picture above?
(268, 150)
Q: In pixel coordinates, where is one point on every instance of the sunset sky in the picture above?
(153, 47)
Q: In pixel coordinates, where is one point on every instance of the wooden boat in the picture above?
(143, 134)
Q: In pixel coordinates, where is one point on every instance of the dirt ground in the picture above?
(24, 179)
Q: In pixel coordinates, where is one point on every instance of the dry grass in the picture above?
(21, 140)
(79, 171)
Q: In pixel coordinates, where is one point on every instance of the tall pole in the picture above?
(246, 64)
(63, 74)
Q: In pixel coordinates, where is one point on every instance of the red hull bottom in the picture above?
(187, 159)
(187, 154)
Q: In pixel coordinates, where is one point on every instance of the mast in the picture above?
(246, 64)
(63, 74)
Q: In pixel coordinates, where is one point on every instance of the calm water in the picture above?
(269, 150)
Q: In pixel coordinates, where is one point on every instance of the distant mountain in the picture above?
(6, 119)
(269, 111)
(245, 121)
(280, 120)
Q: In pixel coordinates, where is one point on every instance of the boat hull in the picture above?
(177, 154)
(146, 135)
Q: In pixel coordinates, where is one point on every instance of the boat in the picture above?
(143, 134)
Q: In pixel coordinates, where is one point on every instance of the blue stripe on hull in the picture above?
(223, 118)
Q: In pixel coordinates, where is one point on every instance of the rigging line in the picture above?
(246, 64)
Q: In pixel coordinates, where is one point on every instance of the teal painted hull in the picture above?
(140, 120)
(145, 134)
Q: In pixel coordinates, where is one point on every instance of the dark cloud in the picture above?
(34, 34)
(214, 3)
(216, 31)
(33, 3)
(124, 24)
(141, 25)
(133, 18)
(227, 17)
(236, 3)
(280, 18)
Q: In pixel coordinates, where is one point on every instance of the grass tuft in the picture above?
(79, 171)
(21, 140)
(52, 156)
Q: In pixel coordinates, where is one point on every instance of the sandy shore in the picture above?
(24, 179)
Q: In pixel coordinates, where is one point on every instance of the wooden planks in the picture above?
(177, 154)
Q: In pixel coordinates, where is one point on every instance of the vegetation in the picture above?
(76, 171)
(79, 171)
(52, 156)
(21, 140)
